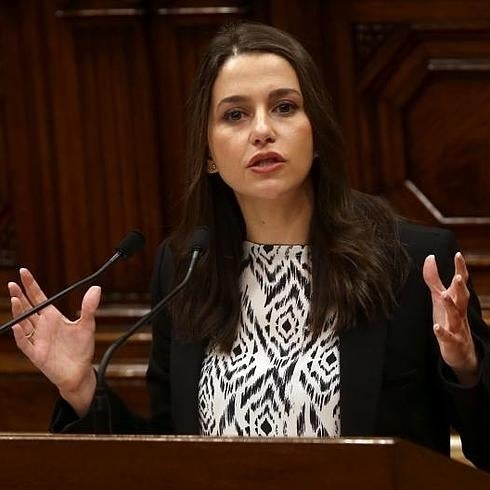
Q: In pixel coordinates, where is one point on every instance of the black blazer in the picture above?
(392, 379)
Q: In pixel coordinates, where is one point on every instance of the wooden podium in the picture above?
(127, 462)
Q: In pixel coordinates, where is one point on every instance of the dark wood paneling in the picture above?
(8, 251)
(92, 108)
(94, 118)
(102, 153)
(20, 414)
(109, 175)
(29, 156)
(462, 126)
(21, 383)
(415, 105)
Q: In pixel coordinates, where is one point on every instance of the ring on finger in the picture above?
(31, 334)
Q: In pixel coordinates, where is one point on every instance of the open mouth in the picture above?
(266, 162)
(266, 165)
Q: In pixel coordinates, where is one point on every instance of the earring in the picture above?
(212, 169)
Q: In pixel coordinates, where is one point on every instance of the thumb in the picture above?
(90, 303)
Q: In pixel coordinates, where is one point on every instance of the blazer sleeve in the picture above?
(469, 407)
(123, 421)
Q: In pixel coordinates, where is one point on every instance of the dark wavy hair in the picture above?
(357, 260)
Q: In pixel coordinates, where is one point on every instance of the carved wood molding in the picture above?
(444, 220)
(458, 64)
(116, 12)
(368, 37)
(163, 11)
(225, 10)
(130, 361)
(394, 85)
(479, 260)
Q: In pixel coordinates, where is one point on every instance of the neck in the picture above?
(284, 221)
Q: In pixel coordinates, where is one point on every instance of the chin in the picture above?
(280, 190)
(273, 194)
(275, 190)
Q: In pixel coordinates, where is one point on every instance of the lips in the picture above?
(266, 160)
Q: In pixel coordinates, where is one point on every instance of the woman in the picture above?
(309, 314)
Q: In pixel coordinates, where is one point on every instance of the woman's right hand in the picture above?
(61, 349)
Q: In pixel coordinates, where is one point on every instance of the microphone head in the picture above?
(200, 239)
(131, 243)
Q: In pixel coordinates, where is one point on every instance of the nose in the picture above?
(262, 131)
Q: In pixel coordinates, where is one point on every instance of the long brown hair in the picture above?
(355, 252)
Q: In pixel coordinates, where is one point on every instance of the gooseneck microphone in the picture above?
(130, 244)
(102, 413)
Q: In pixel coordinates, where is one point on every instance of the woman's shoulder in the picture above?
(420, 241)
(424, 237)
(415, 237)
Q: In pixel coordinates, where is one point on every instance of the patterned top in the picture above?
(276, 381)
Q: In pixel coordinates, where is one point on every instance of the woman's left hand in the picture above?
(450, 316)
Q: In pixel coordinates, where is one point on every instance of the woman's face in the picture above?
(259, 135)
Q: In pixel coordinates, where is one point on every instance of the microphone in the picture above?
(102, 414)
(130, 244)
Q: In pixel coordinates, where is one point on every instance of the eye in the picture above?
(286, 107)
(233, 115)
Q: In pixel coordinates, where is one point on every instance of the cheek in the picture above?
(225, 150)
(304, 138)
(228, 149)
(221, 144)
(299, 129)
(307, 131)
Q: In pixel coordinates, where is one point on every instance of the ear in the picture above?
(211, 166)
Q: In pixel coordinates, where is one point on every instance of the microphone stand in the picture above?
(61, 294)
(130, 244)
(100, 405)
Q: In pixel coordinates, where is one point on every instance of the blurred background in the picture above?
(92, 110)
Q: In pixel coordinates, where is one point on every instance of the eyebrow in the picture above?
(279, 92)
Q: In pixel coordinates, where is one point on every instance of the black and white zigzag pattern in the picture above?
(277, 381)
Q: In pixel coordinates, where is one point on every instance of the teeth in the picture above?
(263, 163)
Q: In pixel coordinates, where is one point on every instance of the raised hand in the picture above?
(451, 326)
(61, 349)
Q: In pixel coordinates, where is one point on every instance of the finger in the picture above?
(442, 334)
(431, 275)
(32, 289)
(15, 291)
(454, 316)
(460, 266)
(90, 303)
(460, 293)
(23, 342)
(25, 325)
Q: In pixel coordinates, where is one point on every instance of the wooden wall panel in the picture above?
(96, 141)
(415, 104)
(92, 137)
(29, 156)
(109, 175)
(7, 233)
(101, 118)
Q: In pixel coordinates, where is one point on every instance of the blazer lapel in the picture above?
(185, 371)
(362, 351)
